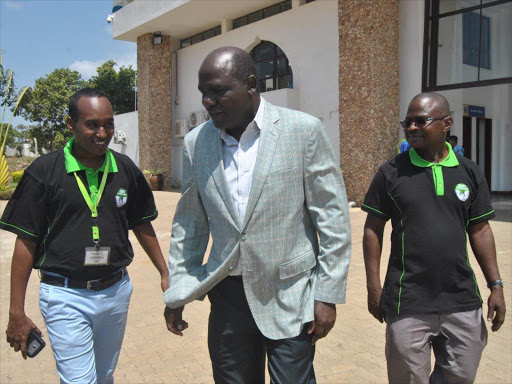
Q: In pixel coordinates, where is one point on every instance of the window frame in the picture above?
(216, 32)
(284, 6)
(431, 33)
(275, 57)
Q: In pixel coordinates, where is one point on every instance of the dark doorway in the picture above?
(484, 147)
(466, 136)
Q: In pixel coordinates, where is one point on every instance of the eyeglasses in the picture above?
(420, 121)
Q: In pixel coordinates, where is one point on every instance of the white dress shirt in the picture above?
(239, 162)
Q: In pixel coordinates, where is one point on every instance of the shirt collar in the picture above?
(256, 123)
(73, 165)
(448, 161)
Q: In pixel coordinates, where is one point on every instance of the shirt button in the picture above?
(244, 236)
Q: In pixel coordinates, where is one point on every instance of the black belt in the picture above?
(91, 285)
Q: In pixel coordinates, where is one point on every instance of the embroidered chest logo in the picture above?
(462, 191)
(121, 197)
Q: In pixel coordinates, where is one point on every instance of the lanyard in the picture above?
(94, 207)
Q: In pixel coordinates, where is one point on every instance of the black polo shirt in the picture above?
(48, 208)
(430, 206)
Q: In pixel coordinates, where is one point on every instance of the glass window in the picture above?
(201, 37)
(454, 5)
(265, 51)
(209, 34)
(256, 16)
(284, 82)
(496, 42)
(265, 69)
(186, 43)
(467, 47)
(262, 14)
(286, 5)
(240, 22)
(271, 11)
(197, 39)
(450, 68)
(274, 71)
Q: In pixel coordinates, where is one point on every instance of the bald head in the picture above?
(232, 61)
(433, 102)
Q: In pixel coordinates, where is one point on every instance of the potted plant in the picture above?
(156, 178)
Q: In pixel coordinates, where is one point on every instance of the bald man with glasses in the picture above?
(435, 199)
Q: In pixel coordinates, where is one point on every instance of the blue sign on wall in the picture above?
(474, 111)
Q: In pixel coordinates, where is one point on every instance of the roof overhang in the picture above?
(178, 18)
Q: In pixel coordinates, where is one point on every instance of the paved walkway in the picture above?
(352, 353)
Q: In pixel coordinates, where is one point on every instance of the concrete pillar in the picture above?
(154, 94)
(368, 90)
(226, 25)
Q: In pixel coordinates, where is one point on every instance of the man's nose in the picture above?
(209, 101)
(101, 132)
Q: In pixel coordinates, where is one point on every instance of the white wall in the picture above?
(129, 123)
(309, 37)
(410, 42)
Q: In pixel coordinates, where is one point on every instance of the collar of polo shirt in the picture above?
(73, 165)
(437, 168)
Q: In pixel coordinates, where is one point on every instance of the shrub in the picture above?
(16, 176)
(5, 194)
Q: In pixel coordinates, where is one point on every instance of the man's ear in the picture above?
(70, 124)
(252, 84)
(448, 123)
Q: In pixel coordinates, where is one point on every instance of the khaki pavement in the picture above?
(352, 353)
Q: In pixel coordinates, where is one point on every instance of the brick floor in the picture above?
(352, 353)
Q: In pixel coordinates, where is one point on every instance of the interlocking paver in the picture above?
(352, 353)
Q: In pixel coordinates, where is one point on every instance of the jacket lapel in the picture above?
(269, 138)
(217, 168)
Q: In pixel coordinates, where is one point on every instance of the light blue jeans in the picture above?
(86, 329)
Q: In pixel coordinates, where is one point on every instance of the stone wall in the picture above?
(154, 104)
(368, 89)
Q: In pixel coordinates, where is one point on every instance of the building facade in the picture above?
(355, 65)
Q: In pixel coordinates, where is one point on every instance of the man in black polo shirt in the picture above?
(435, 200)
(72, 211)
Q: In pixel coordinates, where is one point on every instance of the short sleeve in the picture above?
(26, 212)
(142, 209)
(480, 208)
(377, 200)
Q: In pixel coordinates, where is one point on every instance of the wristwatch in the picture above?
(495, 282)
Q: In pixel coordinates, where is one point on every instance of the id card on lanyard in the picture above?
(95, 256)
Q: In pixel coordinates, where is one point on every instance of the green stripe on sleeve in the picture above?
(478, 217)
(18, 228)
(373, 209)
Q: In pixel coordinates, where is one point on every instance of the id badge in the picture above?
(96, 256)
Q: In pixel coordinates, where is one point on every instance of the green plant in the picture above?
(154, 171)
(16, 176)
(6, 192)
(9, 100)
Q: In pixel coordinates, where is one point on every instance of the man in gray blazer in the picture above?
(263, 181)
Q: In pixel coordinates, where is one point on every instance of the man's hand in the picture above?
(18, 330)
(325, 317)
(174, 321)
(374, 303)
(496, 308)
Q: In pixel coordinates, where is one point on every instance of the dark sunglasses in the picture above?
(420, 121)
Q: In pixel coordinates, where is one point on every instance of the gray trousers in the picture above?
(457, 339)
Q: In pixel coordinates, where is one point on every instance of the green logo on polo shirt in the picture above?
(121, 197)
(462, 191)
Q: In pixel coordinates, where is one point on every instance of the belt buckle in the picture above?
(90, 286)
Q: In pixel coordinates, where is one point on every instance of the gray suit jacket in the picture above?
(295, 238)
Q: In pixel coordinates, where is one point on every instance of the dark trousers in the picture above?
(238, 348)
